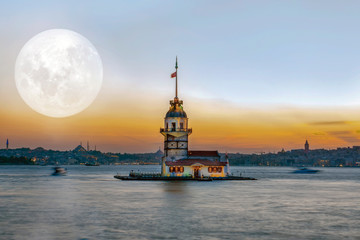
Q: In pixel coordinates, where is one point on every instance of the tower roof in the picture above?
(176, 109)
(190, 162)
(203, 154)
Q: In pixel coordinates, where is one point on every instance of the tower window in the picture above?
(181, 125)
(173, 127)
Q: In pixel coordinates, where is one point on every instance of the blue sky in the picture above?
(253, 53)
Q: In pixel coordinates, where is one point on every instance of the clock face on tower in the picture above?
(172, 145)
(182, 144)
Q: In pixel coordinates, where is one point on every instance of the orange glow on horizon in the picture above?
(122, 127)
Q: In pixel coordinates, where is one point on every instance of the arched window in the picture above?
(181, 169)
(219, 169)
(210, 169)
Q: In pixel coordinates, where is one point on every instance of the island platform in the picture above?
(158, 177)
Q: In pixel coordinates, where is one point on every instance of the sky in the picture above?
(255, 76)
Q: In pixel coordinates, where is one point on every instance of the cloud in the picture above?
(330, 123)
(347, 136)
(339, 133)
(319, 133)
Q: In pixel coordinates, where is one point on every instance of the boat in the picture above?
(305, 170)
(92, 164)
(59, 171)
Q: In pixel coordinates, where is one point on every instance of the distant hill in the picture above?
(78, 155)
(340, 157)
(15, 161)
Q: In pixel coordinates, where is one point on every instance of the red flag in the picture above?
(173, 75)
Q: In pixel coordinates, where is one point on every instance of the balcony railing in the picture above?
(189, 130)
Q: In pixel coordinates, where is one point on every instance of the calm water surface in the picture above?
(89, 203)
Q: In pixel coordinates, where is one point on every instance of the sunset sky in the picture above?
(255, 76)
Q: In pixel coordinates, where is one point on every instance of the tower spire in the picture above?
(176, 88)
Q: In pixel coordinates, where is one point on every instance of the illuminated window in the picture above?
(176, 169)
(214, 169)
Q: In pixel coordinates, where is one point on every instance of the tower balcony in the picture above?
(177, 132)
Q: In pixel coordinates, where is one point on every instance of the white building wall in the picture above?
(168, 122)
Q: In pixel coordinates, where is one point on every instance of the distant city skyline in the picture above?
(92, 147)
(254, 76)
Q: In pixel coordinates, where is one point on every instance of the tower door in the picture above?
(196, 172)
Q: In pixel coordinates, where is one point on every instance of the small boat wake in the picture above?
(305, 170)
(59, 171)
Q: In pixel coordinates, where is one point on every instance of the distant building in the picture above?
(79, 148)
(159, 153)
(7, 144)
(177, 159)
(306, 146)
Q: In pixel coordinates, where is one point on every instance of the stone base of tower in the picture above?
(163, 166)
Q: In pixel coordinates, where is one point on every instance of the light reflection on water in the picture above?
(89, 203)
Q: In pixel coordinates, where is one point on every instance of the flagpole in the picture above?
(176, 88)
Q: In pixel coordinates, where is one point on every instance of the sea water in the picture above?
(88, 203)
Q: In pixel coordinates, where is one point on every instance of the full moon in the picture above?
(58, 73)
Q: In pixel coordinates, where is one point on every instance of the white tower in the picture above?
(175, 131)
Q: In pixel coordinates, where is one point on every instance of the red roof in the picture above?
(190, 162)
(203, 153)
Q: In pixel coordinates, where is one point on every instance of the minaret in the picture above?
(7, 144)
(87, 147)
(306, 146)
(175, 129)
